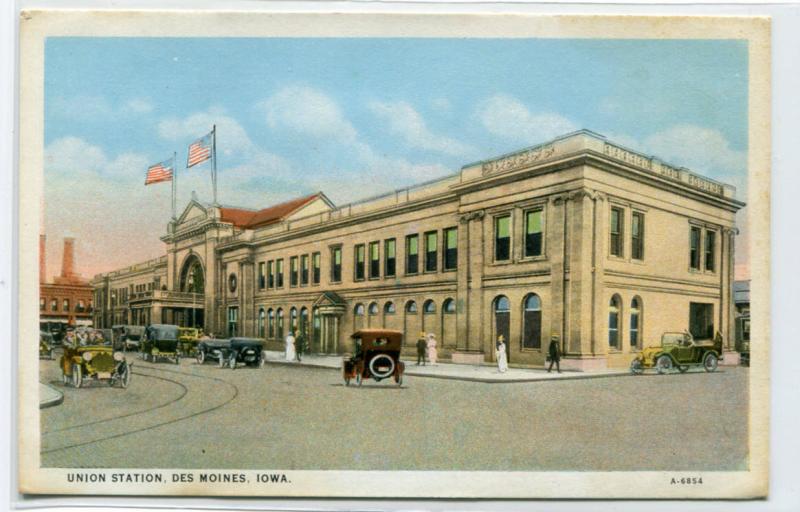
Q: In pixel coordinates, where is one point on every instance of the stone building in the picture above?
(67, 298)
(577, 237)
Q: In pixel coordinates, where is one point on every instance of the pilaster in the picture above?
(556, 243)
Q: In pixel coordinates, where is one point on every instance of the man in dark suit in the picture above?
(554, 354)
(422, 348)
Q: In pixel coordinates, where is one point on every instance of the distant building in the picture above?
(577, 237)
(68, 299)
(741, 297)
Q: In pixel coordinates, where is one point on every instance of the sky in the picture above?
(355, 118)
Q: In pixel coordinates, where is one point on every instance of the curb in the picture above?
(51, 402)
(486, 380)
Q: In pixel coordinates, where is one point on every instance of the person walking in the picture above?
(554, 354)
(422, 347)
(289, 347)
(502, 359)
(433, 354)
(300, 346)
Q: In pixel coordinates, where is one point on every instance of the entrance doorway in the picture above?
(502, 322)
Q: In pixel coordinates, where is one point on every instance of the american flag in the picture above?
(199, 151)
(159, 172)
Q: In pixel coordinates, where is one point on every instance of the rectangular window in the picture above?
(233, 321)
(262, 278)
(336, 264)
(533, 233)
(450, 261)
(270, 274)
(54, 303)
(293, 273)
(65, 306)
(431, 251)
(694, 248)
(616, 228)
(359, 262)
(316, 266)
(390, 257)
(701, 320)
(412, 254)
(709, 245)
(42, 302)
(279, 273)
(637, 236)
(374, 260)
(502, 238)
(304, 269)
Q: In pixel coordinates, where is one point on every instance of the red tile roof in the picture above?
(249, 219)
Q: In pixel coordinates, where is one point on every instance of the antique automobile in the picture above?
(90, 355)
(212, 348)
(160, 341)
(377, 357)
(45, 345)
(249, 351)
(187, 340)
(743, 339)
(128, 336)
(57, 329)
(679, 350)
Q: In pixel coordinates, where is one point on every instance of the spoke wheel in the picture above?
(221, 361)
(710, 362)
(201, 357)
(663, 364)
(359, 380)
(232, 362)
(125, 377)
(636, 367)
(77, 375)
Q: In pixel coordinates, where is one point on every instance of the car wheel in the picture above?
(262, 360)
(359, 380)
(125, 377)
(221, 361)
(201, 357)
(64, 377)
(636, 367)
(683, 368)
(375, 366)
(663, 364)
(347, 381)
(177, 359)
(710, 362)
(77, 375)
(232, 362)
(398, 378)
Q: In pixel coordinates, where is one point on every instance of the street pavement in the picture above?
(299, 417)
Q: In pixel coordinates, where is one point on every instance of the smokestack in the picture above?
(42, 258)
(68, 259)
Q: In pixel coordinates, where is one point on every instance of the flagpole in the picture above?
(214, 162)
(174, 182)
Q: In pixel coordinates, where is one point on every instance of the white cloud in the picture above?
(232, 138)
(308, 111)
(98, 108)
(138, 106)
(697, 147)
(406, 122)
(506, 116)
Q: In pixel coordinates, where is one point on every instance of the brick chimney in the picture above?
(68, 259)
(42, 258)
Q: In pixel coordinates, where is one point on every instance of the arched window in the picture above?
(373, 309)
(279, 330)
(192, 278)
(502, 320)
(359, 309)
(613, 322)
(411, 307)
(449, 306)
(261, 316)
(532, 322)
(304, 320)
(429, 307)
(388, 308)
(271, 323)
(293, 321)
(636, 321)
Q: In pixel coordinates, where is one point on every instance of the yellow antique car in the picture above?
(679, 350)
(187, 340)
(90, 354)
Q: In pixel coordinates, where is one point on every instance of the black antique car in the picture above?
(90, 354)
(249, 351)
(128, 336)
(212, 348)
(377, 357)
(160, 341)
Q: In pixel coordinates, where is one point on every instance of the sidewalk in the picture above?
(466, 372)
(49, 396)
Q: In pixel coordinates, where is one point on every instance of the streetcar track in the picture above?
(157, 425)
(128, 415)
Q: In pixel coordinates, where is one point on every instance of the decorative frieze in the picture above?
(519, 160)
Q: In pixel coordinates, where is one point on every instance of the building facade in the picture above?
(579, 237)
(67, 298)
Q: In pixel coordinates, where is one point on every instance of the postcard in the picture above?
(394, 255)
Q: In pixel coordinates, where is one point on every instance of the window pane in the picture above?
(637, 236)
(709, 250)
(694, 250)
(374, 260)
(389, 251)
(502, 243)
(431, 241)
(412, 251)
(533, 233)
(451, 249)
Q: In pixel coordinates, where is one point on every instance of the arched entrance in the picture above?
(191, 285)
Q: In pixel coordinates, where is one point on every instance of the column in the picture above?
(556, 248)
(246, 297)
(580, 297)
(476, 338)
(462, 287)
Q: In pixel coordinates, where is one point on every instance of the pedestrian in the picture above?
(300, 346)
(433, 354)
(502, 359)
(554, 354)
(289, 344)
(422, 348)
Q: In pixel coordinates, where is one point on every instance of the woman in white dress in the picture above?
(432, 352)
(290, 353)
(502, 360)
